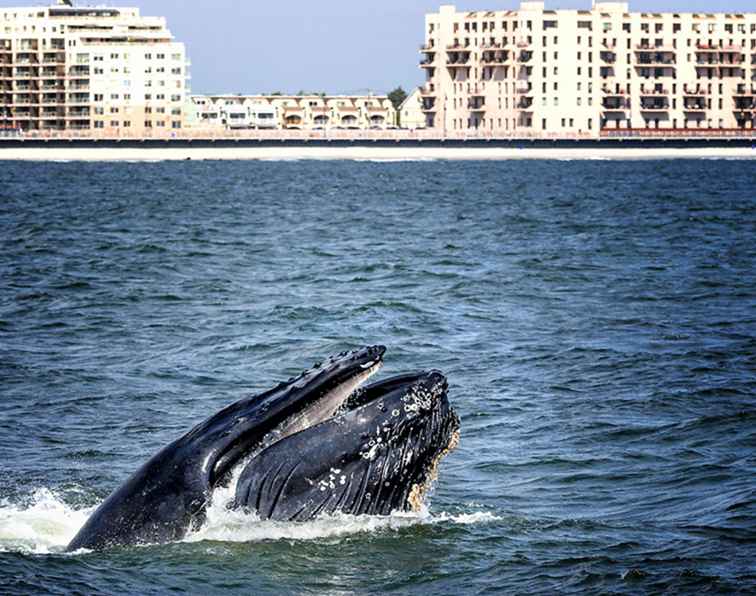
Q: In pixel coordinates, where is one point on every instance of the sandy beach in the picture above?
(379, 153)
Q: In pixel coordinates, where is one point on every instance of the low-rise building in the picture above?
(584, 72)
(294, 112)
(411, 115)
(65, 67)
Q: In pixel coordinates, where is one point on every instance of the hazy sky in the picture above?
(337, 46)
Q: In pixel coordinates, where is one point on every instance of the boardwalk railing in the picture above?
(358, 136)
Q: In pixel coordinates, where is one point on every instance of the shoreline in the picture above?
(367, 153)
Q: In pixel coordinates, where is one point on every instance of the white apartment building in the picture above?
(67, 67)
(586, 72)
(294, 112)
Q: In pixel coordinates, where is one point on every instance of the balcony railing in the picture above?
(654, 92)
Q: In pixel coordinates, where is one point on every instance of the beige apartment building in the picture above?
(293, 112)
(102, 69)
(584, 72)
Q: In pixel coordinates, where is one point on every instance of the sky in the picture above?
(334, 46)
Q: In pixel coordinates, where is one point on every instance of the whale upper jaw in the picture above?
(249, 426)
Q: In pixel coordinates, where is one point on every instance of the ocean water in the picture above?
(596, 320)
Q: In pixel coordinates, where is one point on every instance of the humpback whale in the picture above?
(320, 443)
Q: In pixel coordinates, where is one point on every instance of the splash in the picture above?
(226, 525)
(44, 524)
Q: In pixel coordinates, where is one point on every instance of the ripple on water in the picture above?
(599, 341)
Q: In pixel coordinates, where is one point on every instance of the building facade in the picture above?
(293, 112)
(411, 115)
(582, 72)
(99, 69)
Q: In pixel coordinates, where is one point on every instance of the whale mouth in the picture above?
(305, 401)
(322, 409)
(378, 454)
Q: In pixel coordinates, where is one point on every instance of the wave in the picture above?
(395, 159)
(43, 524)
(46, 524)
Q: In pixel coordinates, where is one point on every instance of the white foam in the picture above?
(226, 525)
(44, 524)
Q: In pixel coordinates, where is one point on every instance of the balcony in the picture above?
(429, 104)
(656, 92)
(525, 103)
(458, 47)
(743, 104)
(609, 92)
(428, 63)
(495, 58)
(54, 59)
(524, 56)
(523, 88)
(78, 100)
(643, 48)
(459, 60)
(427, 49)
(426, 90)
(657, 61)
(614, 104)
(477, 106)
(694, 105)
(608, 57)
(657, 105)
(697, 92)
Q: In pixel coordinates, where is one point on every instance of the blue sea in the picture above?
(596, 321)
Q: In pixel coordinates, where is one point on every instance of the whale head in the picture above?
(169, 494)
(378, 454)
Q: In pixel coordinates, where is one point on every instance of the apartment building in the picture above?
(103, 69)
(543, 71)
(293, 112)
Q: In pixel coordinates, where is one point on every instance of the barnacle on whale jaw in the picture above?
(420, 491)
